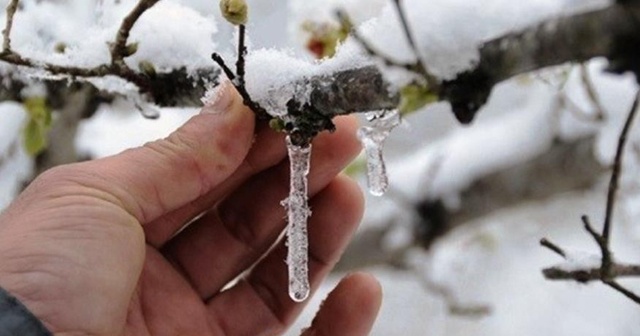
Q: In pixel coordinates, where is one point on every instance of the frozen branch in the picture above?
(175, 88)
(179, 87)
(609, 270)
(612, 32)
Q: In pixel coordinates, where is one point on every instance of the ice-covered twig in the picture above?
(297, 214)
(609, 270)
(373, 138)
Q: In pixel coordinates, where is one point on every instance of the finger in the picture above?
(166, 174)
(260, 302)
(350, 309)
(268, 149)
(245, 225)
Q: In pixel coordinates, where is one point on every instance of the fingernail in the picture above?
(218, 99)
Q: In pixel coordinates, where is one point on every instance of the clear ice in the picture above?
(297, 214)
(372, 138)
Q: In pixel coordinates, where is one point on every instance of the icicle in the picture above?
(372, 138)
(297, 214)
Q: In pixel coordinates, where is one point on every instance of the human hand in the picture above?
(98, 248)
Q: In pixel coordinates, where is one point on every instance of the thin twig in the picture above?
(418, 67)
(617, 165)
(343, 17)
(119, 47)
(242, 53)
(12, 7)
(629, 294)
(421, 67)
(553, 247)
(608, 270)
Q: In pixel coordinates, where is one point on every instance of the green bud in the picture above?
(147, 68)
(277, 124)
(234, 11)
(36, 131)
(415, 96)
(131, 49)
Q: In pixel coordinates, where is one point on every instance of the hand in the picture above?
(101, 248)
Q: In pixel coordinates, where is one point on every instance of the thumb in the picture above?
(166, 174)
(350, 309)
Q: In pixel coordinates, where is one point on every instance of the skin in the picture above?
(100, 248)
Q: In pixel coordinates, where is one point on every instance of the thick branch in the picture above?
(176, 88)
(612, 32)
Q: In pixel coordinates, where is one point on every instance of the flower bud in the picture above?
(234, 11)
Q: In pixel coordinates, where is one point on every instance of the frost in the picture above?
(372, 138)
(297, 214)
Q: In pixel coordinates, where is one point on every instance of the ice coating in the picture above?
(297, 214)
(372, 138)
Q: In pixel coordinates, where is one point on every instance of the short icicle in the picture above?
(372, 138)
(297, 214)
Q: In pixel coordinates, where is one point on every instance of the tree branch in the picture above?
(119, 47)
(12, 7)
(612, 32)
(592, 274)
(609, 270)
(165, 89)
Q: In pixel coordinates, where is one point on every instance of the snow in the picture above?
(580, 260)
(448, 33)
(297, 214)
(497, 261)
(15, 166)
(103, 135)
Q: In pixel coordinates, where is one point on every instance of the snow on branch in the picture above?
(177, 87)
(612, 32)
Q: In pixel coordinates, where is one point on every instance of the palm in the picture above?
(122, 262)
(165, 303)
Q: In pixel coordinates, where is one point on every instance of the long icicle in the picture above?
(297, 214)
